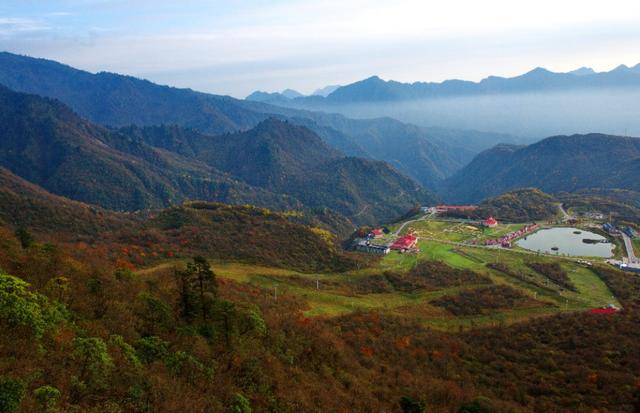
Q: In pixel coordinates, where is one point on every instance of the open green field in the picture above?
(457, 231)
(329, 295)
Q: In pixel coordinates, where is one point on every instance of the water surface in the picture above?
(566, 242)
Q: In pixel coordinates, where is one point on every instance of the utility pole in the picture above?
(317, 284)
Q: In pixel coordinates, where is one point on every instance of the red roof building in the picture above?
(610, 309)
(490, 222)
(377, 232)
(407, 242)
(604, 310)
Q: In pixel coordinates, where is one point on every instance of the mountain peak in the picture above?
(291, 94)
(325, 91)
(583, 71)
(374, 78)
(621, 68)
(538, 71)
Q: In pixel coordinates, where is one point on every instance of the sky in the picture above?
(234, 47)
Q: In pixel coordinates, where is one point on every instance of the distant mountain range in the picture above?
(275, 164)
(128, 144)
(325, 91)
(534, 105)
(556, 164)
(374, 89)
(117, 101)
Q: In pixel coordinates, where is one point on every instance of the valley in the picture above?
(447, 241)
(169, 250)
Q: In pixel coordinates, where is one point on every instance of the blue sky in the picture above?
(234, 47)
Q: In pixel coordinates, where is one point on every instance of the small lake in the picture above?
(567, 242)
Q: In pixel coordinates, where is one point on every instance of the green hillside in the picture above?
(556, 164)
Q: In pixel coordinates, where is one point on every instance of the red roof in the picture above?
(604, 310)
(407, 241)
(490, 221)
(377, 231)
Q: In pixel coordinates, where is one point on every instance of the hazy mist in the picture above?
(530, 115)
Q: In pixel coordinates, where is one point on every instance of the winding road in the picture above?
(628, 245)
(404, 224)
(565, 214)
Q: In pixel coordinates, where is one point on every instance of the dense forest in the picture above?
(84, 334)
(113, 312)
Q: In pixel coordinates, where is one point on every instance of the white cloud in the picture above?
(59, 14)
(16, 25)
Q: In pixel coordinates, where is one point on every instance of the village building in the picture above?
(490, 222)
(630, 232)
(630, 267)
(364, 245)
(506, 240)
(610, 229)
(405, 243)
(609, 309)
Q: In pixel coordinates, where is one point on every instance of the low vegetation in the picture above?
(626, 287)
(425, 276)
(554, 272)
(519, 275)
(484, 300)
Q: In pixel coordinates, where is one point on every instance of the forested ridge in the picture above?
(277, 165)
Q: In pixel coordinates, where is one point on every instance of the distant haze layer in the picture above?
(612, 111)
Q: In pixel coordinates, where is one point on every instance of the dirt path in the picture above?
(422, 218)
(628, 245)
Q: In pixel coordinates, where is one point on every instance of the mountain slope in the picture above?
(46, 143)
(116, 100)
(276, 164)
(23, 204)
(428, 157)
(268, 154)
(181, 229)
(560, 163)
(520, 205)
(282, 157)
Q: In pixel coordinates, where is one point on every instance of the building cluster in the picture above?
(629, 267)
(375, 233)
(506, 240)
(630, 232)
(594, 215)
(406, 243)
(364, 245)
(610, 229)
